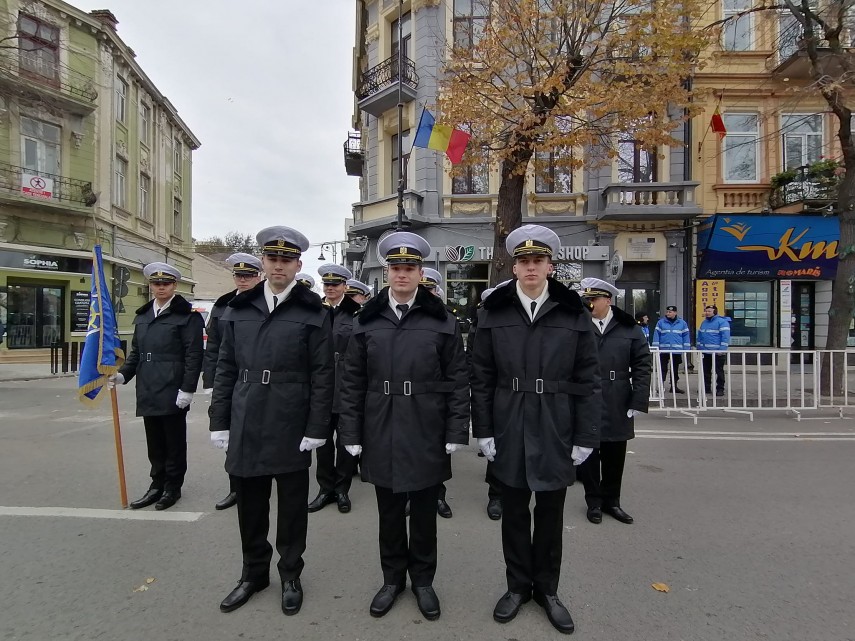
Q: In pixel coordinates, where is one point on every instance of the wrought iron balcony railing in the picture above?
(386, 73)
(45, 187)
(354, 157)
(814, 189)
(27, 65)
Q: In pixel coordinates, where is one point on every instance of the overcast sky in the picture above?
(266, 86)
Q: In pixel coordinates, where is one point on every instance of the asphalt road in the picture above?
(750, 525)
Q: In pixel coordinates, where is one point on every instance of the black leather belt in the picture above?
(266, 376)
(541, 386)
(612, 375)
(408, 388)
(148, 357)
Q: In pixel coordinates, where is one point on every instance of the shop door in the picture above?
(803, 326)
(639, 297)
(34, 318)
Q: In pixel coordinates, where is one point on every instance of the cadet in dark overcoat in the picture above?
(625, 367)
(166, 358)
(270, 407)
(405, 406)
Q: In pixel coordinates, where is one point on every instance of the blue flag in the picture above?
(102, 354)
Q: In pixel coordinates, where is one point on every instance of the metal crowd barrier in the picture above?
(757, 380)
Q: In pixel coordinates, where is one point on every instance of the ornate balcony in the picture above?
(23, 186)
(29, 75)
(655, 201)
(378, 87)
(810, 191)
(354, 157)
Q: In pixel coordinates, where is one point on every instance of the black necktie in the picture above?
(403, 307)
(533, 307)
(157, 313)
(275, 302)
(601, 326)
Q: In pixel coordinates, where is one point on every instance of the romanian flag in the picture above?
(717, 124)
(102, 354)
(430, 135)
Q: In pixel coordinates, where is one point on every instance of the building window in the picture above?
(406, 27)
(177, 223)
(406, 146)
(738, 31)
(464, 284)
(802, 134)
(636, 164)
(741, 154)
(179, 156)
(120, 183)
(121, 99)
(750, 310)
(472, 179)
(470, 21)
(553, 173)
(39, 44)
(145, 123)
(145, 197)
(40, 146)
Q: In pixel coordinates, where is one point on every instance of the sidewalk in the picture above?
(28, 371)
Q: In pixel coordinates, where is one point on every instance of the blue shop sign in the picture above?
(754, 247)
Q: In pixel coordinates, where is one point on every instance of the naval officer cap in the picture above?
(332, 274)
(431, 278)
(355, 287)
(305, 279)
(282, 241)
(161, 273)
(404, 247)
(244, 264)
(534, 240)
(596, 288)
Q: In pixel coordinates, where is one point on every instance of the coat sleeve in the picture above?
(191, 338)
(589, 408)
(686, 336)
(482, 378)
(453, 361)
(209, 367)
(354, 386)
(129, 369)
(656, 336)
(322, 380)
(220, 410)
(724, 335)
(640, 365)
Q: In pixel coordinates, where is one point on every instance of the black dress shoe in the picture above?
(343, 503)
(443, 509)
(321, 501)
(292, 597)
(226, 503)
(241, 594)
(509, 605)
(169, 498)
(679, 391)
(616, 512)
(494, 510)
(595, 514)
(152, 496)
(557, 614)
(384, 599)
(428, 602)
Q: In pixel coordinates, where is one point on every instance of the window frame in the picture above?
(787, 132)
(145, 112)
(42, 145)
(177, 217)
(144, 204)
(121, 100)
(42, 45)
(469, 19)
(406, 150)
(637, 151)
(726, 13)
(120, 183)
(743, 134)
(177, 157)
(545, 181)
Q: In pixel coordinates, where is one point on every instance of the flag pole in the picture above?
(120, 457)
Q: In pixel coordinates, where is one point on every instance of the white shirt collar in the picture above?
(281, 297)
(609, 315)
(526, 301)
(158, 308)
(393, 303)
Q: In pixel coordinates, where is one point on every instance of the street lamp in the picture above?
(331, 248)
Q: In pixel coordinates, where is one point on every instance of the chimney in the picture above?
(105, 17)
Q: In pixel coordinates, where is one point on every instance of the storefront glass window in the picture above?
(749, 306)
(465, 282)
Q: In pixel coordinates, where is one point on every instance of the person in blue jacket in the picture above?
(643, 321)
(671, 335)
(713, 340)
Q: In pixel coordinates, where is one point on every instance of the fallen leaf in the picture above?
(150, 580)
(660, 587)
(142, 588)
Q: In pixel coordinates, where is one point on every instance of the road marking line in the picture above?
(92, 513)
(709, 433)
(790, 439)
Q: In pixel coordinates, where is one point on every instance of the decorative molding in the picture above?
(560, 207)
(470, 208)
(122, 149)
(3, 226)
(418, 4)
(145, 165)
(372, 33)
(176, 189)
(80, 239)
(77, 139)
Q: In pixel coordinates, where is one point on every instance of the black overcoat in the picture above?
(405, 392)
(342, 328)
(625, 366)
(267, 420)
(535, 432)
(166, 356)
(212, 349)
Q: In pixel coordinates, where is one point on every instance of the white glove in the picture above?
(115, 379)
(632, 413)
(488, 447)
(354, 450)
(309, 444)
(184, 399)
(451, 448)
(220, 439)
(579, 454)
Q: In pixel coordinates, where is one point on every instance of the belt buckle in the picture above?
(148, 357)
(244, 375)
(408, 388)
(386, 388)
(265, 377)
(538, 385)
(515, 384)
(612, 375)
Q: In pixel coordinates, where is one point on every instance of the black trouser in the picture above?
(707, 360)
(442, 491)
(494, 486)
(334, 465)
(532, 561)
(292, 521)
(166, 438)
(664, 361)
(602, 473)
(398, 552)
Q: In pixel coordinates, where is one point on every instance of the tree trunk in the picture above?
(508, 215)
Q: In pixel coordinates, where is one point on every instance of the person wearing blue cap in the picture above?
(405, 408)
(246, 270)
(166, 358)
(305, 279)
(334, 466)
(535, 412)
(625, 368)
(270, 407)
